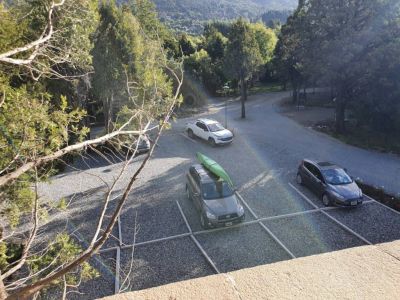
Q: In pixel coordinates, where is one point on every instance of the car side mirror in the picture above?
(205, 129)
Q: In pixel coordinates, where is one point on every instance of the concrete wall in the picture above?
(369, 272)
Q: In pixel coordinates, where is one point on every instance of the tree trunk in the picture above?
(340, 115)
(3, 293)
(295, 92)
(243, 96)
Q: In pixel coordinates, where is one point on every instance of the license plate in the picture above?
(353, 202)
(228, 224)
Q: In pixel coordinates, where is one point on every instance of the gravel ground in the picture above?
(312, 234)
(242, 247)
(164, 262)
(104, 284)
(261, 163)
(372, 221)
(154, 222)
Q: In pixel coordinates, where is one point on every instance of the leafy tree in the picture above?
(39, 126)
(146, 14)
(117, 49)
(215, 45)
(289, 49)
(338, 53)
(211, 73)
(243, 57)
(266, 40)
(186, 45)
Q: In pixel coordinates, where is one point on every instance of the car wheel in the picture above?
(299, 179)
(203, 222)
(325, 200)
(212, 142)
(190, 133)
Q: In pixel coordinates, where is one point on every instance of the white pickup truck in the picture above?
(209, 130)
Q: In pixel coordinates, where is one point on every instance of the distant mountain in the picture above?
(190, 15)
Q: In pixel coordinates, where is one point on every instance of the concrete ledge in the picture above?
(369, 272)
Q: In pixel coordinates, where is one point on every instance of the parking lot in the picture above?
(283, 220)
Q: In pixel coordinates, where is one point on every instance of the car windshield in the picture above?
(214, 127)
(216, 190)
(336, 176)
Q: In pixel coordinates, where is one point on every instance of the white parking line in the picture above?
(205, 254)
(226, 228)
(119, 231)
(208, 258)
(316, 210)
(265, 227)
(178, 236)
(332, 218)
(184, 217)
(276, 239)
(247, 206)
(117, 267)
(376, 201)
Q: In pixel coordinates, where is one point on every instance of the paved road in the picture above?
(282, 143)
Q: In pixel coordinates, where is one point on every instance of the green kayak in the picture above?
(214, 167)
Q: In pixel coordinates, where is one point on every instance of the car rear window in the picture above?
(216, 190)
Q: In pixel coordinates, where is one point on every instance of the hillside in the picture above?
(190, 15)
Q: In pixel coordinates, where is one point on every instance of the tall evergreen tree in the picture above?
(243, 56)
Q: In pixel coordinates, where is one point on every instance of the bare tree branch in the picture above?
(42, 160)
(46, 36)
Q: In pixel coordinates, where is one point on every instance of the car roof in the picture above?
(207, 121)
(323, 165)
(205, 175)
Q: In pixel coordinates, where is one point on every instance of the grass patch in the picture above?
(260, 88)
(363, 138)
(379, 194)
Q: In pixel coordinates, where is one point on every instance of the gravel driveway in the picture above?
(283, 221)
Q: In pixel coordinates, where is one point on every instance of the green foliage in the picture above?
(266, 40)
(4, 263)
(275, 18)
(190, 16)
(186, 45)
(124, 53)
(62, 251)
(146, 14)
(70, 42)
(203, 68)
(243, 55)
(215, 45)
(357, 56)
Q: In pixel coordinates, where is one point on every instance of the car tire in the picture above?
(325, 200)
(299, 179)
(212, 142)
(190, 133)
(203, 222)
